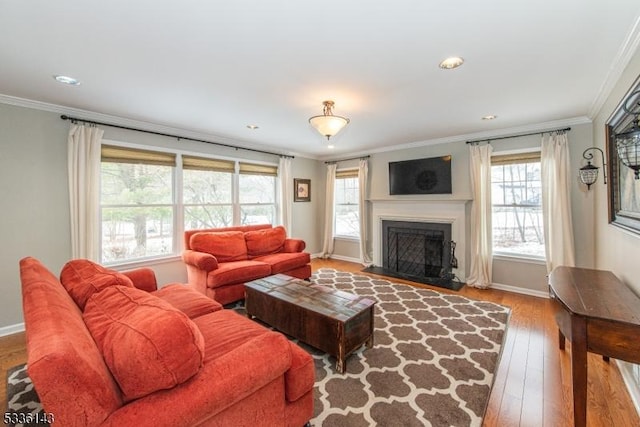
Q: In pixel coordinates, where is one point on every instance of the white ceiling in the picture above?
(213, 67)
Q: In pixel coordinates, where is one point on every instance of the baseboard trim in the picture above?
(517, 290)
(345, 258)
(626, 370)
(11, 329)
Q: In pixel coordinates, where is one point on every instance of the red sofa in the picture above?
(221, 260)
(108, 349)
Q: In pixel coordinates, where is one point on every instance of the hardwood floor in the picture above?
(533, 383)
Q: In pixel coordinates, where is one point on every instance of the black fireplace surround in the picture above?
(418, 251)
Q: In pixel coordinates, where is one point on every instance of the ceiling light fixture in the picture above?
(628, 142)
(66, 80)
(490, 117)
(327, 124)
(451, 63)
(253, 127)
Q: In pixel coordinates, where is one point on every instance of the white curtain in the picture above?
(481, 233)
(327, 248)
(556, 200)
(84, 190)
(286, 192)
(363, 175)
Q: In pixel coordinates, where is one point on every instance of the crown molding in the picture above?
(132, 123)
(496, 133)
(620, 62)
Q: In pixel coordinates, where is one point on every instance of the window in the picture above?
(257, 192)
(346, 209)
(148, 199)
(207, 190)
(137, 209)
(516, 193)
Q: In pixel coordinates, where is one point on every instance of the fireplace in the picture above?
(417, 249)
(431, 235)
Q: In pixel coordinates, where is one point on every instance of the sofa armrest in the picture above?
(219, 384)
(201, 260)
(143, 278)
(294, 245)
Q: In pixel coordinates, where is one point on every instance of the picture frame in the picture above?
(301, 190)
(623, 190)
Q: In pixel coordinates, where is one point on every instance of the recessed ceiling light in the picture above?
(253, 127)
(451, 63)
(67, 80)
(490, 117)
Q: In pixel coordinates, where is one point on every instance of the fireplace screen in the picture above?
(418, 249)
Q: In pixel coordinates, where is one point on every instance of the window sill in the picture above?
(520, 258)
(347, 239)
(148, 262)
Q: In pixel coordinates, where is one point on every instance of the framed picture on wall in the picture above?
(301, 190)
(624, 188)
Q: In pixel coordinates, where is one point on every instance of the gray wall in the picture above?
(517, 273)
(616, 250)
(35, 201)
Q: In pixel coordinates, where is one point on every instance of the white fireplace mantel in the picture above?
(450, 211)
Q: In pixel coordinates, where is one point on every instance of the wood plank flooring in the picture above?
(533, 382)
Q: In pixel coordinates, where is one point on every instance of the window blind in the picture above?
(254, 169)
(509, 159)
(109, 153)
(201, 163)
(350, 173)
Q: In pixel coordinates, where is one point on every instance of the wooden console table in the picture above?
(597, 313)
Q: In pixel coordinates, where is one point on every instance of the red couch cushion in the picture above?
(187, 300)
(147, 344)
(283, 262)
(265, 242)
(229, 273)
(226, 246)
(82, 278)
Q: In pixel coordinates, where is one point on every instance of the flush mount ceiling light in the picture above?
(451, 63)
(67, 80)
(253, 127)
(327, 124)
(490, 117)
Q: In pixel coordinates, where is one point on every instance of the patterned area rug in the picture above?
(433, 360)
(21, 396)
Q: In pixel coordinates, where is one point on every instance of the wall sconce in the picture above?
(589, 172)
(628, 142)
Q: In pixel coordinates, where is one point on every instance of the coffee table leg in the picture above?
(341, 365)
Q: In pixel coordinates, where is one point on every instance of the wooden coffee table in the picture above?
(333, 321)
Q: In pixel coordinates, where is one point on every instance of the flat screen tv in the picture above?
(420, 176)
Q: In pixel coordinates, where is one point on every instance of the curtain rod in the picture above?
(328, 162)
(516, 136)
(220, 144)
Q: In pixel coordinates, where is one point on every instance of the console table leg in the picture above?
(561, 340)
(579, 370)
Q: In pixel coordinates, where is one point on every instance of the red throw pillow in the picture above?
(82, 278)
(224, 245)
(147, 344)
(265, 242)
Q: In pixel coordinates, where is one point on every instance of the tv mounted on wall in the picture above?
(420, 176)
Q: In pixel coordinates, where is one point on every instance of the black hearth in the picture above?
(418, 251)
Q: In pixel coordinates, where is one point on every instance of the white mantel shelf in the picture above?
(422, 200)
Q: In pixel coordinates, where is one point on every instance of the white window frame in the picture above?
(178, 202)
(335, 204)
(512, 255)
